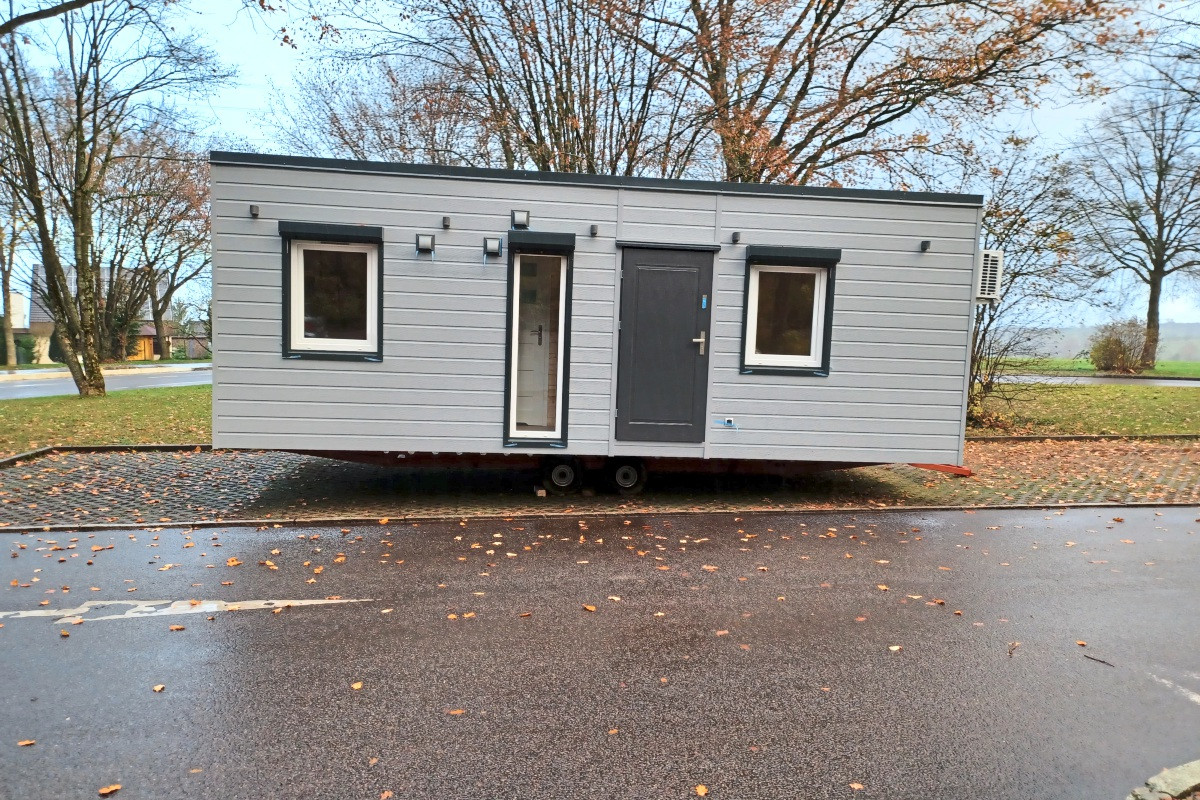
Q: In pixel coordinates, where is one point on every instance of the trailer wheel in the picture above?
(627, 476)
(562, 475)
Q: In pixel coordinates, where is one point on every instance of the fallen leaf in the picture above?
(158, 687)
(176, 627)
(701, 790)
(26, 742)
(857, 787)
(589, 608)
(1081, 643)
(63, 633)
(356, 685)
(881, 587)
(525, 614)
(895, 648)
(611, 732)
(383, 521)
(105, 791)
(614, 598)
(709, 568)
(455, 712)
(1127, 541)
(386, 794)
(232, 561)
(722, 633)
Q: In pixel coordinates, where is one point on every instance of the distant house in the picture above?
(41, 328)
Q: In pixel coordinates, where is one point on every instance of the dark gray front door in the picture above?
(662, 363)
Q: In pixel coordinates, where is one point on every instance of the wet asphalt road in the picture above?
(645, 697)
(143, 378)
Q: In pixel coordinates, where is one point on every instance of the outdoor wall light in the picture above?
(492, 246)
(737, 237)
(925, 245)
(520, 219)
(445, 223)
(254, 211)
(594, 231)
(425, 242)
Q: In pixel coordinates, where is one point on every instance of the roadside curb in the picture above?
(319, 522)
(54, 374)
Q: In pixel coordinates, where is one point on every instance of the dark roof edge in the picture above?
(579, 179)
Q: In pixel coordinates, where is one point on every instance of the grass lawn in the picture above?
(1081, 366)
(135, 416)
(1118, 410)
(183, 415)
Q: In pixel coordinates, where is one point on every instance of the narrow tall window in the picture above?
(538, 336)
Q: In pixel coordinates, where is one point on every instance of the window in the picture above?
(539, 337)
(789, 303)
(332, 306)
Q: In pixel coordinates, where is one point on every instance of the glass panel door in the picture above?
(535, 406)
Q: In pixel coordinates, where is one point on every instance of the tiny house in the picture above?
(413, 314)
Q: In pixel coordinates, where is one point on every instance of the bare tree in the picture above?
(10, 233)
(1027, 213)
(389, 109)
(1138, 178)
(804, 92)
(554, 82)
(115, 60)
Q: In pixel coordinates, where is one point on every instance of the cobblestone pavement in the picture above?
(131, 487)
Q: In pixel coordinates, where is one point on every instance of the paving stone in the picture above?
(143, 488)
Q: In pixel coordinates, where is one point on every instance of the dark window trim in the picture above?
(561, 244)
(551, 244)
(706, 248)
(826, 258)
(338, 234)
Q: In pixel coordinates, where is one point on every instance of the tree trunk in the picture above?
(158, 310)
(10, 341)
(1150, 348)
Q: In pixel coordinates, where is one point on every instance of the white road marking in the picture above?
(139, 609)
(1188, 693)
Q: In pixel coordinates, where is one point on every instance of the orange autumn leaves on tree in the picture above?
(798, 92)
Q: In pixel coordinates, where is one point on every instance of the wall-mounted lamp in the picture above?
(254, 211)
(737, 237)
(925, 245)
(594, 231)
(520, 219)
(445, 223)
(425, 242)
(493, 246)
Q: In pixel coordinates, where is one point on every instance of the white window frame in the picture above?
(811, 361)
(513, 432)
(296, 337)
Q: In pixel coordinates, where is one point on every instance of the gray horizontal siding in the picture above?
(899, 341)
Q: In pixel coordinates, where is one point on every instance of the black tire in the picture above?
(562, 475)
(626, 476)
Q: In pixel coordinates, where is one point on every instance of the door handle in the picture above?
(539, 333)
(701, 341)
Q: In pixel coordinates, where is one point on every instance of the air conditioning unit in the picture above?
(991, 269)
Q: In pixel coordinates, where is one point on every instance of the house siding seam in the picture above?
(898, 353)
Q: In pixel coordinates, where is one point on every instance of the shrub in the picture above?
(1117, 346)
